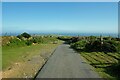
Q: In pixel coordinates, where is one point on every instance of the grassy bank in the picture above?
(22, 61)
(102, 63)
(23, 55)
(103, 53)
(12, 55)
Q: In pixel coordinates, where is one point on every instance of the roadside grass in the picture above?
(10, 55)
(102, 63)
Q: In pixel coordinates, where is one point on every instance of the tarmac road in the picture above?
(66, 63)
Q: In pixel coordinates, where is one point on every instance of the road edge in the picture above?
(44, 63)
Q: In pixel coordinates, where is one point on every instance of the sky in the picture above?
(0, 18)
(60, 0)
(55, 17)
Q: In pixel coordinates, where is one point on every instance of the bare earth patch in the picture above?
(0, 75)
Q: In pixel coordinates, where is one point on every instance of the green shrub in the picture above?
(16, 42)
(26, 35)
(107, 38)
(111, 45)
(96, 46)
(64, 38)
(115, 70)
(80, 45)
(106, 46)
(118, 47)
(46, 39)
(29, 42)
(37, 39)
(75, 39)
(93, 38)
(93, 46)
(112, 42)
(20, 40)
(19, 36)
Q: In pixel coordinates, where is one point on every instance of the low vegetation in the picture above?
(26, 39)
(103, 53)
(96, 45)
(11, 55)
(22, 62)
(22, 48)
(107, 65)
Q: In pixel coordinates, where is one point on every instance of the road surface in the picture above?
(66, 63)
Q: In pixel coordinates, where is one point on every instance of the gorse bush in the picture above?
(36, 40)
(107, 47)
(118, 47)
(115, 69)
(92, 38)
(101, 47)
(20, 36)
(112, 42)
(44, 39)
(96, 46)
(16, 42)
(65, 38)
(6, 40)
(25, 35)
(29, 42)
(80, 45)
(93, 43)
(26, 40)
(93, 46)
(75, 39)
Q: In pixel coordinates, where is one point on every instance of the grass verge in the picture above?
(20, 54)
(24, 62)
(102, 63)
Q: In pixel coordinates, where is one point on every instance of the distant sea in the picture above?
(66, 34)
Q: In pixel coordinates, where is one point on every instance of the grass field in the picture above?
(19, 54)
(23, 57)
(102, 62)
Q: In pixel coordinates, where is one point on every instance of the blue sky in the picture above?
(0, 18)
(71, 17)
